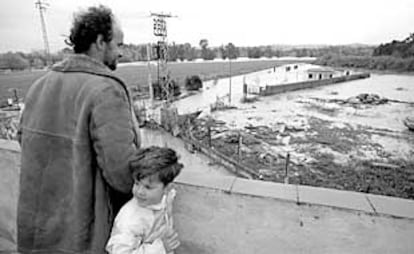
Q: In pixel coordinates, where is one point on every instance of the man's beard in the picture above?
(109, 61)
(111, 65)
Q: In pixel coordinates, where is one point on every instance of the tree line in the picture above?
(183, 52)
(396, 55)
(400, 49)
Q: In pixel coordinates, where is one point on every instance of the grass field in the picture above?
(138, 75)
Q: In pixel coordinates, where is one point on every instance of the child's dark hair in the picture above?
(160, 161)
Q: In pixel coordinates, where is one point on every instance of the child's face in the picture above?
(148, 191)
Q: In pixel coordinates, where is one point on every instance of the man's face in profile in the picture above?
(113, 48)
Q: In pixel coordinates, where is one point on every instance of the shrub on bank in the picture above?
(193, 83)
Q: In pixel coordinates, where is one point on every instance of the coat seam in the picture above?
(46, 133)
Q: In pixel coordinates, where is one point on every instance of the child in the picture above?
(144, 224)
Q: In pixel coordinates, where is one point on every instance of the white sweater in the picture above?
(138, 230)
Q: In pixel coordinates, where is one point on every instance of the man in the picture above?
(77, 137)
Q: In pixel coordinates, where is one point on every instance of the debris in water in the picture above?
(220, 105)
(409, 122)
(366, 98)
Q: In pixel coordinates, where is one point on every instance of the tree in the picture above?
(203, 43)
(181, 52)
(189, 52)
(232, 52)
(13, 61)
(37, 59)
(173, 51)
(254, 52)
(268, 52)
(396, 48)
(410, 38)
(142, 54)
(222, 52)
(206, 53)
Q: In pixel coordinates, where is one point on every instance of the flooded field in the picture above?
(331, 140)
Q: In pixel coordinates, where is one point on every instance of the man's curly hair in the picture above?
(160, 162)
(87, 25)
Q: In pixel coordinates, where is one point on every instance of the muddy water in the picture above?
(388, 116)
(381, 124)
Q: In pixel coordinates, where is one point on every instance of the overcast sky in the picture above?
(244, 23)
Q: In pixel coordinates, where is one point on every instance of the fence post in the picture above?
(244, 89)
(209, 133)
(239, 144)
(287, 169)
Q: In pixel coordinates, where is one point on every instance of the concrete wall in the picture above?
(225, 214)
(9, 168)
(274, 89)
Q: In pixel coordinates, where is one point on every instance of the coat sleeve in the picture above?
(113, 136)
(128, 233)
(19, 129)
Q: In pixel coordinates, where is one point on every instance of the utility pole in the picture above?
(42, 7)
(160, 31)
(230, 81)
(151, 89)
(229, 55)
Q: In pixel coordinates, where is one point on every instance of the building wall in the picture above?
(274, 89)
(320, 75)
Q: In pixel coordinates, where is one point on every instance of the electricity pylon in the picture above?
(42, 7)
(160, 31)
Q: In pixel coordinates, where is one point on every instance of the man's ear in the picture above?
(100, 43)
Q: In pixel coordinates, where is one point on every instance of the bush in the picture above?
(193, 83)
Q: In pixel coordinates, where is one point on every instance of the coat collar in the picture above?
(86, 64)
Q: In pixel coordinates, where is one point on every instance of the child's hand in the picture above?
(170, 240)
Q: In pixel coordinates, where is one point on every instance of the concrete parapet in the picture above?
(235, 215)
(9, 180)
(228, 214)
